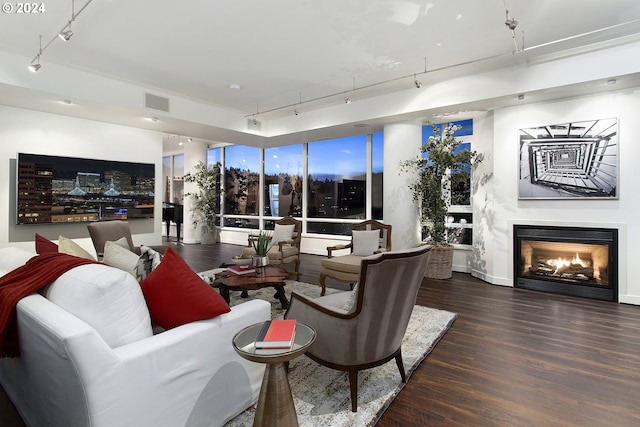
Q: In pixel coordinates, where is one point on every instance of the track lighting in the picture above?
(347, 100)
(66, 35)
(295, 111)
(417, 82)
(35, 67)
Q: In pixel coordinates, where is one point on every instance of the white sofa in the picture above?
(69, 374)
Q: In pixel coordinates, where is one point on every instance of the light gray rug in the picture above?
(321, 395)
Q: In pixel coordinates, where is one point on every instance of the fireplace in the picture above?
(567, 260)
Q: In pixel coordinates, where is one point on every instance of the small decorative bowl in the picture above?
(240, 261)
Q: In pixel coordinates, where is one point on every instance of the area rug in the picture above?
(321, 395)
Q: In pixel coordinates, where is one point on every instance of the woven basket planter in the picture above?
(440, 263)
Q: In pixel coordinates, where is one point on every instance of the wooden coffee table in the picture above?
(272, 277)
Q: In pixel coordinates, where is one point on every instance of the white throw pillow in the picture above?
(69, 247)
(107, 299)
(365, 242)
(117, 256)
(282, 232)
(123, 243)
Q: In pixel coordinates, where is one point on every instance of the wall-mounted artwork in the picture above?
(55, 189)
(569, 160)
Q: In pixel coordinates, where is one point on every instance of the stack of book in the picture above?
(276, 336)
(241, 269)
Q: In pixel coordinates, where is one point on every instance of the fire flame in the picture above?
(559, 263)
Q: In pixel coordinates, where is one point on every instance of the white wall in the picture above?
(497, 208)
(43, 133)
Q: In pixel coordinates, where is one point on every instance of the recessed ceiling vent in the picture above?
(156, 102)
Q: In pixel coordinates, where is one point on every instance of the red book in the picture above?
(280, 334)
(241, 269)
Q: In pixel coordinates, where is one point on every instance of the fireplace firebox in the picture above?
(566, 260)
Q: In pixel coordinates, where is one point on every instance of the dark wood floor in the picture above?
(512, 358)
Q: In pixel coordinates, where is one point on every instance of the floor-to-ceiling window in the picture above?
(460, 218)
(241, 186)
(328, 184)
(172, 173)
(283, 169)
(377, 171)
(336, 184)
(214, 159)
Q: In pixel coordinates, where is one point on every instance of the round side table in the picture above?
(275, 404)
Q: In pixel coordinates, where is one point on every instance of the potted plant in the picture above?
(206, 199)
(440, 167)
(261, 245)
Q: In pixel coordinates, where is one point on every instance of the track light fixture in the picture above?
(295, 111)
(416, 82)
(512, 24)
(64, 34)
(347, 100)
(35, 67)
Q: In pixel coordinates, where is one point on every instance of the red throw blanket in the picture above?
(17, 284)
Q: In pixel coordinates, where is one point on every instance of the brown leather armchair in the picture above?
(364, 328)
(284, 250)
(346, 268)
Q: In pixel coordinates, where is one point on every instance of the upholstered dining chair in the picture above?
(364, 241)
(363, 328)
(104, 231)
(285, 244)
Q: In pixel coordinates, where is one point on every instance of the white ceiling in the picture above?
(286, 53)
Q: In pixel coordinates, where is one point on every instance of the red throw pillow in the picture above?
(176, 295)
(44, 245)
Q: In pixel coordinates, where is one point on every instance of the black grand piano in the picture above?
(173, 212)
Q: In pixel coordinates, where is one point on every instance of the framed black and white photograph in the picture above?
(569, 160)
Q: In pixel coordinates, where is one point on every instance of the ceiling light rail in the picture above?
(64, 34)
(444, 68)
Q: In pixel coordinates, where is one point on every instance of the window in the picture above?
(214, 157)
(377, 171)
(460, 219)
(167, 175)
(241, 184)
(178, 182)
(172, 172)
(283, 169)
(337, 178)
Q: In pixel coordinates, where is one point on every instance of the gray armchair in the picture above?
(346, 267)
(364, 328)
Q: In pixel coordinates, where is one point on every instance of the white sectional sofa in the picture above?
(89, 358)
